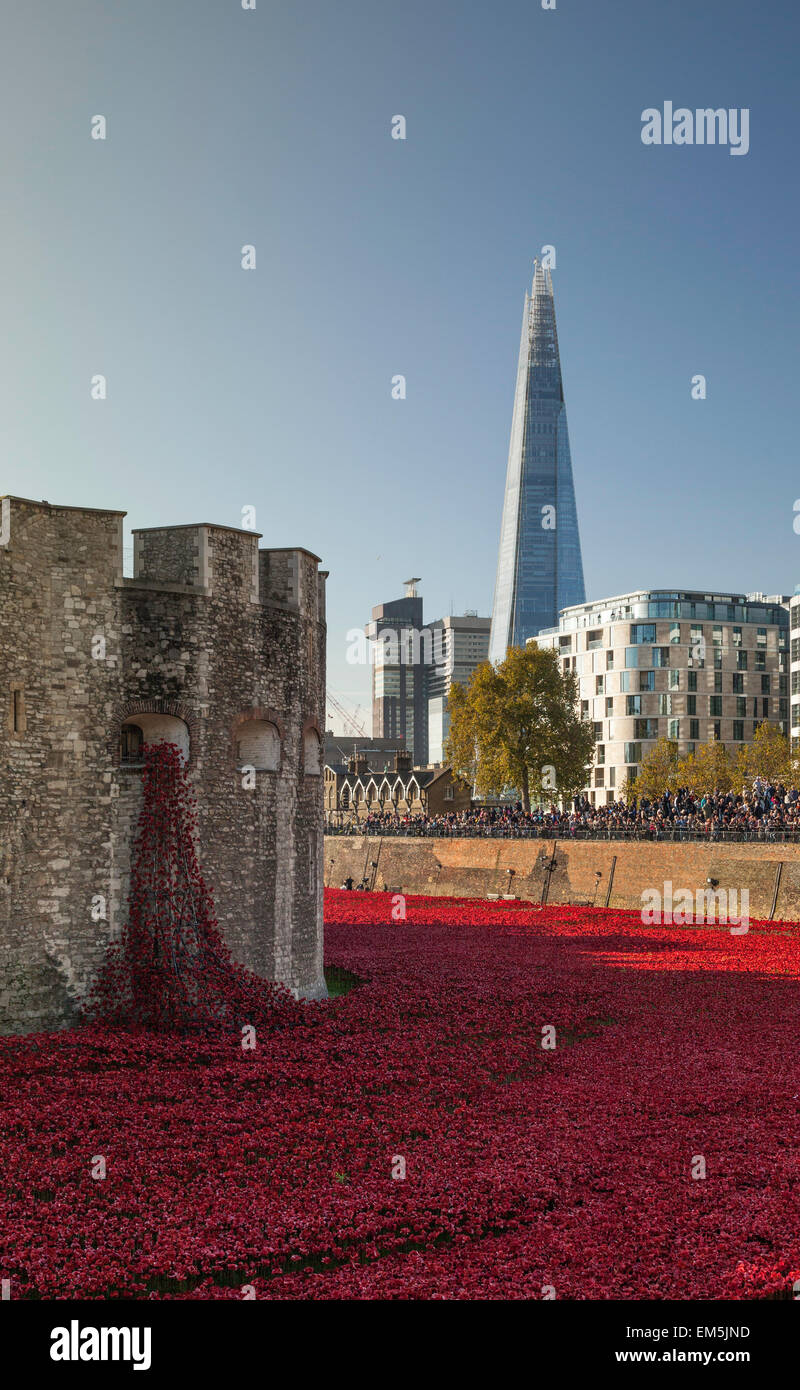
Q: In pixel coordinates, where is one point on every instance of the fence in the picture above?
(673, 834)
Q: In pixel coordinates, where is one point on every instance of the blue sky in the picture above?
(272, 388)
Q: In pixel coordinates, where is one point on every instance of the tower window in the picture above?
(17, 719)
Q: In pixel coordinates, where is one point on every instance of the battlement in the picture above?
(213, 644)
(41, 534)
(226, 561)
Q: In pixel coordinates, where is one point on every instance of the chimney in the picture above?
(402, 760)
(358, 764)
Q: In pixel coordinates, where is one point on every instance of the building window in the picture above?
(738, 683)
(609, 661)
(131, 743)
(18, 720)
(761, 637)
(674, 729)
(633, 754)
(633, 704)
(612, 776)
(609, 707)
(661, 656)
(600, 754)
(675, 633)
(624, 681)
(714, 705)
(741, 660)
(691, 680)
(258, 745)
(674, 680)
(643, 632)
(741, 707)
(645, 728)
(738, 731)
(664, 703)
(765, 708)
(647, 680)
(694, 731)
(149, 728)
(691, 704)
(736, 637)
(631, 656)
(765, 685)
(761, 661)
(717, 682)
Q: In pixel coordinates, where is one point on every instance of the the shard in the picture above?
(539, 567)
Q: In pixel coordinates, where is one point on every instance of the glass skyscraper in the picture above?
(539, 567)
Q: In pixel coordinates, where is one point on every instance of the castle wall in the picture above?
(567, 871)
(190, 637)
(58, 569)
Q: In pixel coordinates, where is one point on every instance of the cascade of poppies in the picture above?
(172, 968)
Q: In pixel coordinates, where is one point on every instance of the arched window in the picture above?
(344, 798)
(258, 745)
(142, 729)
(312, 752)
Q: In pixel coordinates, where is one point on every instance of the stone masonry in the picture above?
(213, 644)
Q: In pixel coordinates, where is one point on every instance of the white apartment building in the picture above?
(682, 665)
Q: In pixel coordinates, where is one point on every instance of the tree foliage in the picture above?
(659, 772)
(516, 725)
(712, 768)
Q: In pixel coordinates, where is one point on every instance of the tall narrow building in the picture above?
(539, 567)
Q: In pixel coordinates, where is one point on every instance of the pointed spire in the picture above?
(543, 338)
(539, 569)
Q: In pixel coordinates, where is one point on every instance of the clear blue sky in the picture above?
(374, 257)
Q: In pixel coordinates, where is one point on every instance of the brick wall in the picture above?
(476, 867)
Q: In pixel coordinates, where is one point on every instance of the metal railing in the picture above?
(669, 834)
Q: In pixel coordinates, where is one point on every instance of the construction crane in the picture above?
(349, 719)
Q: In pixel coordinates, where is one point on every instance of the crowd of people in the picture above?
(764, 811)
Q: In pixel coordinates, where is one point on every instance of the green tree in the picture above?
(516, 725)
(658, 773)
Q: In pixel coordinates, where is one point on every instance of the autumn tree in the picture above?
(710, 769)
(659, 772)
(768, 756)
(516, 725)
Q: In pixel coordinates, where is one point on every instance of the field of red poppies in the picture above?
(530, 1170)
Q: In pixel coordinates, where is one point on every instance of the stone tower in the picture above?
(215, 645)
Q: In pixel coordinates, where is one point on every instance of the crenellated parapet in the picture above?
(212, 644)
